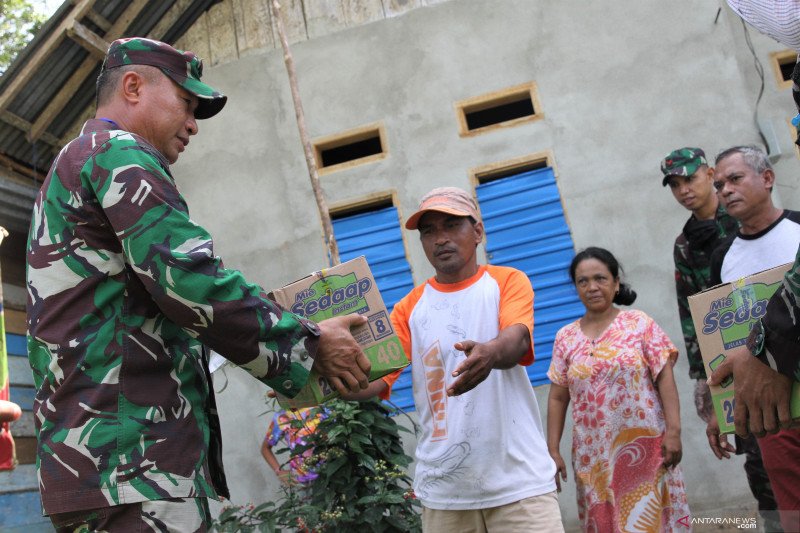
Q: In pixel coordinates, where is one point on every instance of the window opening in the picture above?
(782, 65)
(350, 148)
(505, 108)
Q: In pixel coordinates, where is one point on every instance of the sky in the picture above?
(46, 7)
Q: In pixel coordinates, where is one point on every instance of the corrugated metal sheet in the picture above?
(526, 229)
(16, 203)
(376, 235)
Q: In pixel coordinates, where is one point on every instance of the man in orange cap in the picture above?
(481, 460)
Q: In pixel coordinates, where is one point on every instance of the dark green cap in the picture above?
(184, 68)
(682, 162)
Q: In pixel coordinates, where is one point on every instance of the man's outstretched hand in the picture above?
(339, 357)
(760, 394)
(474, 369)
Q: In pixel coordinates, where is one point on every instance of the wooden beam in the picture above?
(23, 125)
(99, 20)
(60, 100)
(42, 52)
(16, 168)
(319, 194)
(88, 39)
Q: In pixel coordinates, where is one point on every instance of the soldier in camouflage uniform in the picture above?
(125, 292)
(690, 179)
(688, 175)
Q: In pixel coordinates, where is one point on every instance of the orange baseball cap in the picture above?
(450, 200)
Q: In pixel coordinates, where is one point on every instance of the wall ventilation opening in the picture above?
(480, 118)
(350, 148)
(787, 67)
(783, 65)
(499, 109)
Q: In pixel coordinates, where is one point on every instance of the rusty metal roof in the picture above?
(48, 91)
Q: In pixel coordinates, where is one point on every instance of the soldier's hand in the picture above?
(339, 357)
(474, 369)
(761, 395)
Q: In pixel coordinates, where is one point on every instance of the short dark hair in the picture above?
(626, 295)
(109, 78)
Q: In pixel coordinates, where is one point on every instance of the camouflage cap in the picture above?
(184, 68)
(450, 200)
(682, 162)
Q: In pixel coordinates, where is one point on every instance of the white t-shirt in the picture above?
(775, 246)
(486, 447)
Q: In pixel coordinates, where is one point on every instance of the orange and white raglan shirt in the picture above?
(486, 447)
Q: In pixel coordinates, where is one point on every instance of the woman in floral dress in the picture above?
(616, 367)
(293, 426)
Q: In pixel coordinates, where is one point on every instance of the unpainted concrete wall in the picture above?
(621, 84)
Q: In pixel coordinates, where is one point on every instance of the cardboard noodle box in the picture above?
(340, 290)
(723, 316)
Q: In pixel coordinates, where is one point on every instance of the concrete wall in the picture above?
(620, 83)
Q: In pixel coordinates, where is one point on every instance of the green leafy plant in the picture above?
(19, 22)
(362, 484)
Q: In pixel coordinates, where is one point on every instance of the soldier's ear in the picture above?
(130, 86)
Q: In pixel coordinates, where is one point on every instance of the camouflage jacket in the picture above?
(692, 273)
(778, 332)
(124, 291)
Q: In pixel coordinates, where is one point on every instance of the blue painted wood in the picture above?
(20, 479)
(526, 229)
(19, 371)
(16, 345)
(39, 527)
(377, 236)
(22, 396)
(23, 510)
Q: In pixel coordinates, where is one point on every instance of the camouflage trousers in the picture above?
(178, 515)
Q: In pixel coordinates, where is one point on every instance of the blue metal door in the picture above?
(376, 235)
(526, 229)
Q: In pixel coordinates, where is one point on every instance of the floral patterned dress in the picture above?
(618, 425)
(294, 426)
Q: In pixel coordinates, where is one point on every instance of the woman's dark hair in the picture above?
(626, 295)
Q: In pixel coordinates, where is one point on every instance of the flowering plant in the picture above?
(361, 484)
